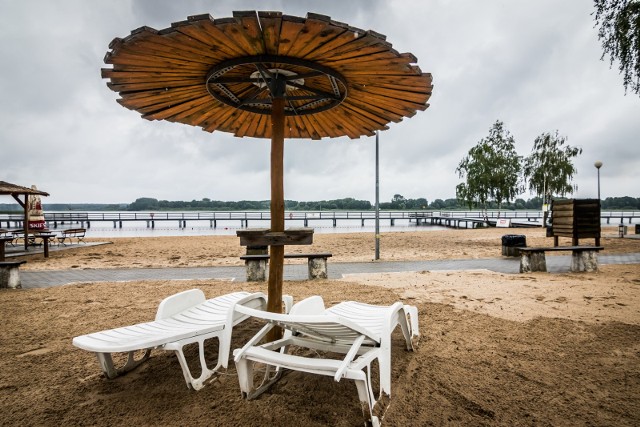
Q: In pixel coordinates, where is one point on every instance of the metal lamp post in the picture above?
(598, 165)
(377, 231)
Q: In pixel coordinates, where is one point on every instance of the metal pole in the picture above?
(598, 165)
(377, 257)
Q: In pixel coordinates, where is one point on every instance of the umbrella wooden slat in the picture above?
(375, 62)
(151, 97)
(352, 129)
(199, 116)
(292, 128)
(135, 76)
(159, 81)
(271, 23)
(137, 87)
(291, 27)
(160, 107)
(154, 46)
(391, 108)
(215, 122)
(412, 82)
(391, 116)
(384, 98)
(253, 126)
(178, 45)
(248, 28)
(372, 121)
(131, 59)
(398, 95)
(307, 38)
(328, 126)
(195, 33)
(196, 110)
(161, 49)
(340, 41)
(306, 127)
(172, 112)
(264, 125)
(366, 55)
(312, 121)
(198, 29)
(365, 43)
(207, 31)
(245, 120)
(132, 69)
(169, 112)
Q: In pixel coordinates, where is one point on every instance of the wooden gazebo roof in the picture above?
(212, 73)
(7, 188)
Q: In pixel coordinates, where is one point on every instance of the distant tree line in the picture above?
(398, 202)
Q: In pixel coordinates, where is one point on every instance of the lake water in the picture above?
(202, 228)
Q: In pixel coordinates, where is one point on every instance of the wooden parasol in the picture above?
(268, 75)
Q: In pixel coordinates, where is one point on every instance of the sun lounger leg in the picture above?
(206, 373)
(411, 316)
(110, 371)
(367, 402)
(246, 378)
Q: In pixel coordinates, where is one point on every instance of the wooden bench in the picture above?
(70, 234)
(256, 265)
(10, 274)
(583, 258)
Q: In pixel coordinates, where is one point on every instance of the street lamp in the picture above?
(598, 165)
(377, 232)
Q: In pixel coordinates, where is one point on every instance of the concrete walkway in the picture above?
(47, 278)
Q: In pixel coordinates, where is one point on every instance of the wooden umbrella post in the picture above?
(276, 258)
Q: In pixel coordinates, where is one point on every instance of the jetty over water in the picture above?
(453, 219)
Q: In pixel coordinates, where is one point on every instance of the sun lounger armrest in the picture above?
(179, 302)
(353, 352)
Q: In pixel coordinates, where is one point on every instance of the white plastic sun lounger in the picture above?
(361, 332)
(183, 318)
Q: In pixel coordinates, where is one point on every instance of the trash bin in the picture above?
(511, 243)
(622, 230)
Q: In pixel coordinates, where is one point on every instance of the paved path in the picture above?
(41, 279)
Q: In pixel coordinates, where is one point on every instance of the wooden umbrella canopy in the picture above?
(16, 191)
(268, 75)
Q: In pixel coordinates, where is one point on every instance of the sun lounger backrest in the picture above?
(327, 327)
(179, 302)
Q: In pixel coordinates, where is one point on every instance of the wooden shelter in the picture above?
(16, 191)
(268, 75)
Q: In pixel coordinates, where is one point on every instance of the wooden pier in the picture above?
(453, 219)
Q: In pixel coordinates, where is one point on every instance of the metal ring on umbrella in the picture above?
(251, 83)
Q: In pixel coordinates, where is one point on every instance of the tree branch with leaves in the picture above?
(619, 32)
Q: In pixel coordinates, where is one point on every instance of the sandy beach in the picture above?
(496, 349)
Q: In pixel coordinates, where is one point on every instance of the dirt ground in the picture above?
(496, 349)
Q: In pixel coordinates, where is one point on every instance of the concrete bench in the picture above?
(583, 258)
(10, 274)
(257, 265)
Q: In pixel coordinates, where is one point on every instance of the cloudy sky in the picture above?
(534, 65)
